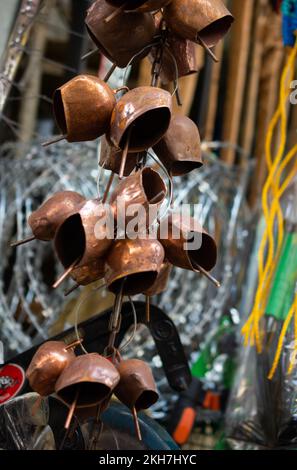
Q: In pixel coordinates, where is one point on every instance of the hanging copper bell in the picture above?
(178, 60)
(145, 188)
(161, 283)
(138, 262)
(125, 36)
(142, 115)
(110, 158)
(194, 19)
(46, 366)
(47, 218)
(89, 380)
(83, 108)
(137, 387)
(84, 237)
(140, 5)
(180, 148)
(176, 235)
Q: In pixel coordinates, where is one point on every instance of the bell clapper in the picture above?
(66, 274)
(115, 13)
(110, 72)
(115, 321)
(74, 344)
(90, 54)
(208, 275)
(71, 411)
(136, 424)
(106, 193)
(207, 49)
(54, 140)
(125, 154)
(22, 242)
(72, 289)
(147, 309)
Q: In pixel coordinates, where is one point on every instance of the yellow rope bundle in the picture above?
(268, 253)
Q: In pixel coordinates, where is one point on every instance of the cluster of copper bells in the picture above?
(125, 30)
(90, 380)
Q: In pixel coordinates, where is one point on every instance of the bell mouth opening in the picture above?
(147, 129)
(153, 186)
(135, 283)
(90, 393)
(70, 241)
(130, 4)
(59, 112)
(215, 31)
(182, 168)
(146, 400)
(98, 43)
(206, 255)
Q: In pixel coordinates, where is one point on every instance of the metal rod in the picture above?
(110, 72)
(106, 193)
(71, 411)
(208, 50)
(89, 54)
(207, 275)
(54, 140)
(136, 424)
(125, 154)
(65, 274)
(72, 289)
(115, 13)
(22, 242)
(147, 309)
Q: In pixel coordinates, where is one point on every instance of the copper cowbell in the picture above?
(122, 38)
(180, 148)
(87, 381)
(141, 117)
(83, 108)
(161, 283)
(47, 218)
(46, 366)
(133, 265)
(199, 19)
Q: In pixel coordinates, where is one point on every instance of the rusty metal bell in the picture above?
(179, 61)
(83, 108)
(161, 283)
(84, 237)
(180, 148)
(47, 218)
(197, 20)
(136, 262)
(137, 388)
(120, 39)
(145, 188)
(88, 380)
(143, 116)
(110, 158)
(46, 366)
(140, 5)
(177, 234)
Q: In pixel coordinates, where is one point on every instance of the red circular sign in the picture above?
(12, 378)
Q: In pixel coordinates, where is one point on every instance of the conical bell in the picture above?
(145, 188)
(161, 283)
(137, 262)
(45, 220)
(83, 108)
(120, 39)
(140, 5)
(137, 388)
(186, 244)
(88, 380)
(178, 60)
(180, 148)
(84, 237)
(141, 117)
(46, 366)
(198, 20)
(111, 158)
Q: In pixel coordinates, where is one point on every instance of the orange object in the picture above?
(185, 426)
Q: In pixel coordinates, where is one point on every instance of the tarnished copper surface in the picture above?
(137, 387)
(83, 108)
(92, 376)
(161, 283)
(45, 220)
(184, 55)
(146, 188)
(148, 110)
(83, 236)
(137, 261)
(46, 366)
(180, 148)
(208, 19)
(110, 158)
(175, 244)
(124, 36)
